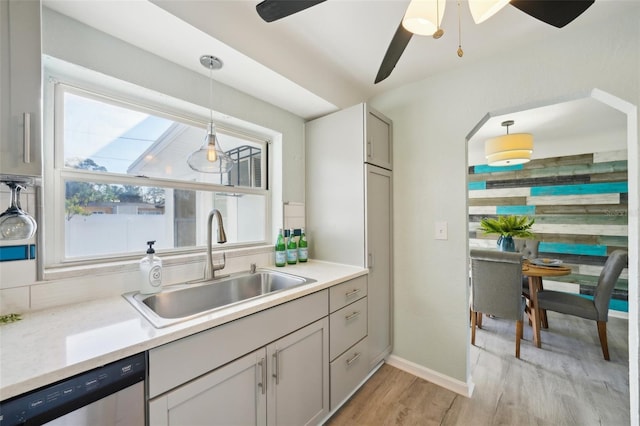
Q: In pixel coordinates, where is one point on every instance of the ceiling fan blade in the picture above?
(553, 12)
(272, 10)
(394, 51)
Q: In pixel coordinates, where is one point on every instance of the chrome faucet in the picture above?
(209, 268)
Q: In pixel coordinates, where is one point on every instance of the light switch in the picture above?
(441, 230)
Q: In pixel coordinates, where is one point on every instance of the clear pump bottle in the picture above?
(150, 271)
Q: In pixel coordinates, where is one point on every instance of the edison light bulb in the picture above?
(212, 156)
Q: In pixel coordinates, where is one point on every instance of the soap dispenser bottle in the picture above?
(150, 271)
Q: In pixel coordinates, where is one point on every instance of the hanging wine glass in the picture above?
(15, 223)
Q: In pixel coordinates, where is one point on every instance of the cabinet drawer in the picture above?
(347, 326)
(347, 372)
(348, 292)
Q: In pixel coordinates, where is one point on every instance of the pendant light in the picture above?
(509, 149)
(210, 158)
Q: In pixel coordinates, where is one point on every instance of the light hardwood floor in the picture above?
(566, 382)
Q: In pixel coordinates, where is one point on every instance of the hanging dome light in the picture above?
(509, 149)
(210, 158)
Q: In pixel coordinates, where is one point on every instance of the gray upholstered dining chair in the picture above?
(529, 250)
(596, 309)
(495, 290)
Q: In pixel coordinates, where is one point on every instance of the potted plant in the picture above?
(508, 227)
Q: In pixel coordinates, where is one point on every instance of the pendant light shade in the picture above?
(423, 17)
(509, 149)
(210, 158)
(481, 10)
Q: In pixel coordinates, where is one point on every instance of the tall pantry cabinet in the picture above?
(349, 203)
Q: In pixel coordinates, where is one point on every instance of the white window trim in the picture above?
(53, 216)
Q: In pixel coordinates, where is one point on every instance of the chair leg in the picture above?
(474, 320)
(518, 337)
(479, 319)
(602, 333)
(543, 318)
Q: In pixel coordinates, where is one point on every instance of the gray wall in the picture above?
(431, 120)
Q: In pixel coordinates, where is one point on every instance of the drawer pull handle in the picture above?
(352, 292)
(354, 358)
(26, 137)
(352, 316)
(263, 375)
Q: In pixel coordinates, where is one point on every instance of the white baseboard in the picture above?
(454, 385)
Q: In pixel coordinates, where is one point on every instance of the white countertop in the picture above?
(50, 345)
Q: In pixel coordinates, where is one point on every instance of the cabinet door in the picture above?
(298, 392)
(231, 395)
(379, 261)
(378, 139)
(21, 88)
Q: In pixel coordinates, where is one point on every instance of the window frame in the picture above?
(138, 99)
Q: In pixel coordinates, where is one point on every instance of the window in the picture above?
(122, 179)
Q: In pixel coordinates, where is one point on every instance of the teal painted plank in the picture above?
(485, 168)
(583, 249)
(615, 304)
(8, 253)
(474, 186)
(520, 210)
(581, 189)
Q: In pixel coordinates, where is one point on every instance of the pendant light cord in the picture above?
(211, 93)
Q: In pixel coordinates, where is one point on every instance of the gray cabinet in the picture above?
(298, 378)
(378, 139)
(347, 343)
(230, 395)
(379, 261)
(349, 203)
(284, 383)
(268, 368)
(20, 88)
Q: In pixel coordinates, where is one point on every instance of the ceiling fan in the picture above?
(553, 12)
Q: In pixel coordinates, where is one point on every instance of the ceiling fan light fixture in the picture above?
(481, 10)
(509, 149)
(210, 158)
(423, 16)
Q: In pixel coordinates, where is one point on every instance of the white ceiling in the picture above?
(320, 59)
(326, 57)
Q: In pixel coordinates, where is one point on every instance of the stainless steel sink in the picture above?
(182, 302)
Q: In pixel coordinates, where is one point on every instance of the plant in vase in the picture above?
(508, 227)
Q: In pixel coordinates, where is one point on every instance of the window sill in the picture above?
(125, 266)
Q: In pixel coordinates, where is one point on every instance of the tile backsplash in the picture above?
(294, 215)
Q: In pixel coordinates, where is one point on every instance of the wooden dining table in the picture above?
(535, 273)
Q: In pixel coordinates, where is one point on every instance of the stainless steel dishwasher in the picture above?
(113, 394)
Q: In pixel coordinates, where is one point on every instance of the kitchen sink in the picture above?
(181, 302)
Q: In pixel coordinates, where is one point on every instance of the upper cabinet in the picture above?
(20, 88)
(378, 148)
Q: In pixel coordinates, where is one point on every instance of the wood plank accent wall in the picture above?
(580, 206)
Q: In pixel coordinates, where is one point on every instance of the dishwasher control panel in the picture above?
(55, 400)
